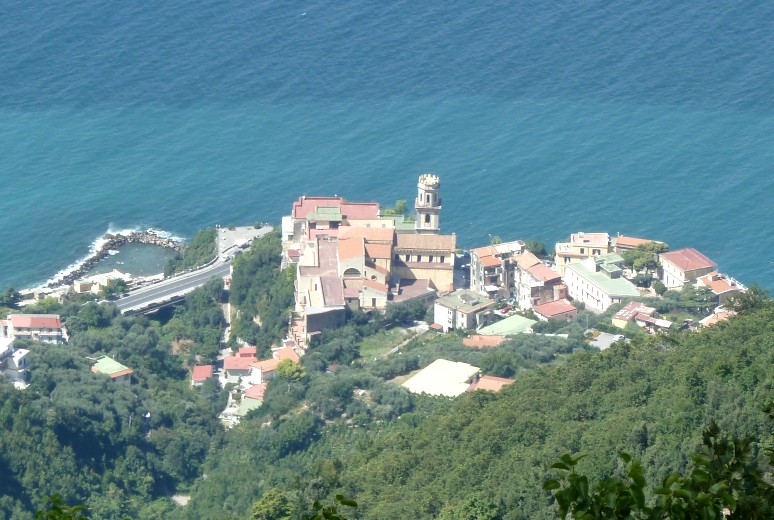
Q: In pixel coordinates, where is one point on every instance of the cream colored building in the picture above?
(581, 246)
(684, 266)
(348, 255)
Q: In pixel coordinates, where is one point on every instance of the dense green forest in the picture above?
(342, 424)
(117, 449)
(259, 289)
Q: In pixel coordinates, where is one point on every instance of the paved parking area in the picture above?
(239, 237)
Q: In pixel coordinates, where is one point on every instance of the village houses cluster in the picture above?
(354, 255)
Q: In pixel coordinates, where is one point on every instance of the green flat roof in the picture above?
(107, 365)
(609, 258)
(611, 286)
(511, 325)
(326, 214)
(401, 224)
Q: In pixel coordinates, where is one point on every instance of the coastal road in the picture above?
(171, 288)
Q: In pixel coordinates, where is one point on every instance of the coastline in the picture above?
(102, 247)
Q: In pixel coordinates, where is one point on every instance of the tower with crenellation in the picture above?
(428, 204)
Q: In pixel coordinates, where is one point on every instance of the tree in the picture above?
(290, 372)
(331, 512)
(536, 247)
(10, 298)
(659, 287)
(725, 482)
(273, 505)
(58, 510)
(754, 298)
(401, 206)
(495, 239)
(644, 257)
(114, 288)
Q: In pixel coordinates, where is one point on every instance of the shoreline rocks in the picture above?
(109, 242)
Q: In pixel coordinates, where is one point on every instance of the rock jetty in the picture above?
(114, 241)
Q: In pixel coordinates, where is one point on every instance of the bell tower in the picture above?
(428, 204)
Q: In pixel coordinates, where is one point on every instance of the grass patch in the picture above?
(379, 344)
(402, 379)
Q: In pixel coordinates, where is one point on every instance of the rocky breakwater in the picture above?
(108, 242)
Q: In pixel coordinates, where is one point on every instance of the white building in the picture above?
(462, 309)
(597, 282)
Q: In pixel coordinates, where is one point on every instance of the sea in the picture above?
(652, 119)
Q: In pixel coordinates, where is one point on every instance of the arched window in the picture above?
(351, 272)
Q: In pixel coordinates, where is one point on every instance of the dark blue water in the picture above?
(652, 119)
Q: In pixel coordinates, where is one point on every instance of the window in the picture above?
(427, 198)
(596, 252)
(408, 258)
(427, 218)
(582, 251)
(442, 259)
(430, 258)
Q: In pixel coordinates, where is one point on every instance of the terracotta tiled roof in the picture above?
(376, 286)
(379, 269)
(632, 309)
(720, 283)
(248, 351)
(491, 383)
(351, 247)
(35, 321)
(483, 341)
(201, 372)
(352, 292)
(238, 363)
(592, 239)
(543, 273)
(717, 316)
(305, 205)
(484, 251)
(428, 242)
(526, 260)
(256, 392)
(490, 261)
(267, 365)
(554, 308)
(378, 250)
(360, 210)
(284, 353)
(688, 259)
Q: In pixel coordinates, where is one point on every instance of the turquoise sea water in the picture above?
(649, 119)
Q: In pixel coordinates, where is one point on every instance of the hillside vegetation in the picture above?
(491, 453)
(342, 424)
